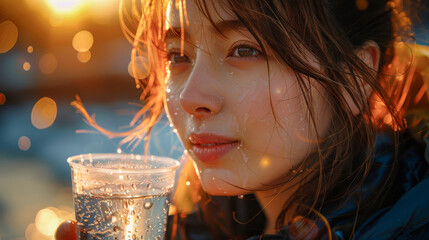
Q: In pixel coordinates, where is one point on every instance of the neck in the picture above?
(272, 202)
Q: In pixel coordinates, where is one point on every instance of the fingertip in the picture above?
(66, 231)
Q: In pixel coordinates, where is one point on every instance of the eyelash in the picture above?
(238, 45)
(234, 48)
(172, 54)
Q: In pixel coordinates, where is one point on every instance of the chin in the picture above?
(220, 187)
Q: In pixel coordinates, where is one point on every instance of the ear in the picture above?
(369, 53)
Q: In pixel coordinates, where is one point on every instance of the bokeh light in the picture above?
(84, 57)
(26, 66)
(30, 49)
(82, 41)
(2, 98)
(24, 143)
(47, 222)
(141, 65)
(265, 162)
(44, 113)
(8, 35)
(48, 63)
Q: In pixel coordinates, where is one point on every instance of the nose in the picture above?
(200, 96)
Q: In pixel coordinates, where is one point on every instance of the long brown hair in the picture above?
(332, 32)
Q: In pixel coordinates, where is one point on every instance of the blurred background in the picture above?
(50, 51)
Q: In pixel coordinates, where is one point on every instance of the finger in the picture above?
(66, 231)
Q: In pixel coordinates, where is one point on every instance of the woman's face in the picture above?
(243, 126)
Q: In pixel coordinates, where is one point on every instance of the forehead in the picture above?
(217, 10)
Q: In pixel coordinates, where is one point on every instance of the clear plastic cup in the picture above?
(121, 196)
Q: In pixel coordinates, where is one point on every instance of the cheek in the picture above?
(175, 112)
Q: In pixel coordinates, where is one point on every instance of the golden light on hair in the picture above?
(26, 66)
(2, 98)
(82, 41)
(140, 65)
(30, 49)
(265, 162)
(24, 143)
(362, 5)
(48, 63)
(44, 113)
(84, 57)
(8, 36)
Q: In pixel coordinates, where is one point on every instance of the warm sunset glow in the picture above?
(24, 143)
(82, 41)
(26, 66)
(84, 57)
(65, 6)
(8, 35)
(48, 63)
(44, 113)
(2, 98)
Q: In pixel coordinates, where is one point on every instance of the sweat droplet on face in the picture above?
(147, 205)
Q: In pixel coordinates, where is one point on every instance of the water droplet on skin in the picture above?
(121, 187)
(147, 205)
(175, 130)
(133, 185)
(149, 186)
(168, 90)
(175, 113)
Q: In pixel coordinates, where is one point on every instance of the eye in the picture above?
(176, 58)
(244, 51)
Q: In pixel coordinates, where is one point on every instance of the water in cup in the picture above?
(121, 196)
(121, 217)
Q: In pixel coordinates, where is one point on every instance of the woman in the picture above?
(299, 103)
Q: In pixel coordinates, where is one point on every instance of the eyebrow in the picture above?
(221, 28)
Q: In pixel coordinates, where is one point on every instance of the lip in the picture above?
(209, 147)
